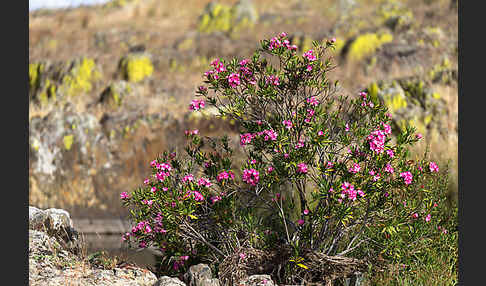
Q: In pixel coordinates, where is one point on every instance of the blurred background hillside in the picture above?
(110, 84)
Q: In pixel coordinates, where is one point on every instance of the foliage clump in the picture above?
(324, 183)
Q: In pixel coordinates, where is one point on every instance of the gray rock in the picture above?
(200, 275)
(169, 281)
(56, 223)
(245, 9)
(257, 280)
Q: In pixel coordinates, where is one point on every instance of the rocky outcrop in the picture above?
(52, 263)
(200, 275)
(257, 280)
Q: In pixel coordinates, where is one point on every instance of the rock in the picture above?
(244, 10)
(135, 67)
(257, 280)
(115, 94)
(56, 223)
(411, 101)
(222, 18)
(200, 275)
(169, 281)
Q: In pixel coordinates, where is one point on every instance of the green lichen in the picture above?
(80, 78)
(365, 45)
(136, 68)
(68, 141)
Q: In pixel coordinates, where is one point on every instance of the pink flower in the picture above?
(246, 138)
(196, 104)
(418, 136)
(242, 255)
(390, 153)
(233, 79)
(387, 129)
(191, 132)
(313, 101)
(188, 178)
(306, 212)
(272, 80)
(347, 127)
(287, 123)
(300, 221)
(197, 196)
(225, 175)
(309, 55)
(153, 189)
(244, 62)
(433, 167)
(270, 169)
(415, 215)
(407, 177)
(355, 168)
(308, 68)
(146, 181)
(428, 217)
(301, 168)
(251, 176)
(204, 182)
(124, 195)
(320, 133)
(215, 199)
(389, 168)
(377, 141)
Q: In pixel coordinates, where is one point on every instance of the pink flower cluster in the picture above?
(301, 168)
(312, 101)
(355, 168)
(247, 137)
(281, 42)
(191, 132)
(407, 177)
(272, 80)
(389, 168)
(377, 141)
(251, 176)
(233, 80)
(124, 196)
(349, 190)
(188, 178)
(204, 182)
(363, 97)
(433, 167)
(225, 175)
(287, 123)
(309, 55)
(218, 67)
(196, 104)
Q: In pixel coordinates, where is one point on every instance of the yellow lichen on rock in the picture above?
(365, 45)
(221, 18)
(136, 67)
(80, 77)
(68, 141)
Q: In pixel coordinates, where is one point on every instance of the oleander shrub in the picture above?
(323, 174)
